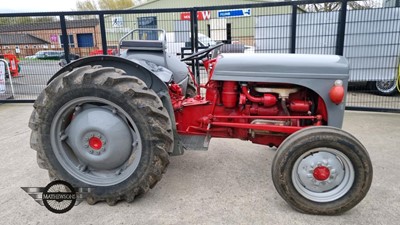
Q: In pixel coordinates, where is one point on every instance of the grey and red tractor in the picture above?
(112, 122)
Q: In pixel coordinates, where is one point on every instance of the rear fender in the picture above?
(140, 70)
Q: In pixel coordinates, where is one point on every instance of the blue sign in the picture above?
(234, 13)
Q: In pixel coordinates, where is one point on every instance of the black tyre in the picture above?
(94, 127)
(384, 87)
(322, 170)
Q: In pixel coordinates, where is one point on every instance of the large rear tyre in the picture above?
(94, 127)
(322, 170)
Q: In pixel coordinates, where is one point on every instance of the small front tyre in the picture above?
(322, 170)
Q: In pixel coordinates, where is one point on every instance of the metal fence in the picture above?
(369, 38)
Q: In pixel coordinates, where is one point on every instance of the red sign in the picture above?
(201, 15)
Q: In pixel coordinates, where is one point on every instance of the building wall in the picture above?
(242, 28)
(53, 37)
(24, 49)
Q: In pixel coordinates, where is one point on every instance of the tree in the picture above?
(334, 6)
(26, 20)
(90, 5)
(115, 4)
(86, 5)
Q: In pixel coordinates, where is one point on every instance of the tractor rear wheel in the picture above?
(94, 127)
(322, 170)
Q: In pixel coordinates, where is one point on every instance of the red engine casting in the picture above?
(233, 112)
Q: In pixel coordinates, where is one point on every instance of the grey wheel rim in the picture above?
(385, 86)
(323, 187)
(100, 145)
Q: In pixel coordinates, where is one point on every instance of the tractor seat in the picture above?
(146, 45)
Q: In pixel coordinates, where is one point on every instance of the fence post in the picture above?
(103, 33)
(192, 48)
(195, 42)
(293, 28)
(341, 28)
(65, 38)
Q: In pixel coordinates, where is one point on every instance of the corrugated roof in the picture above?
(20, 39)
(48, 25)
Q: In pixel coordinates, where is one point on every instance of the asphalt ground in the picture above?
(228, 184)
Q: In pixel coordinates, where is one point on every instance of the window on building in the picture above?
(148, 22)
(70, 41)
(85, 40)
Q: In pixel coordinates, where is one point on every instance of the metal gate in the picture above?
(369, 38)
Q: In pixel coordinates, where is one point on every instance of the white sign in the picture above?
(2, 78)
(122, 30)
(117, 21)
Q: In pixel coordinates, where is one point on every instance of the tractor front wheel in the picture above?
(322, 170)
(96, 127)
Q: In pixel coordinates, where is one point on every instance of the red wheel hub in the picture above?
(321, 173)
(95, 143)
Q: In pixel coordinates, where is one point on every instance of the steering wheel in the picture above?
(201, 54)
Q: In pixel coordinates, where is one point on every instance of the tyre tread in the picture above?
(138, 93)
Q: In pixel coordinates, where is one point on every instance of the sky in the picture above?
(42, 5)
(37, 5)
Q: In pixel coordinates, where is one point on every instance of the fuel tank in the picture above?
(282, 67)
